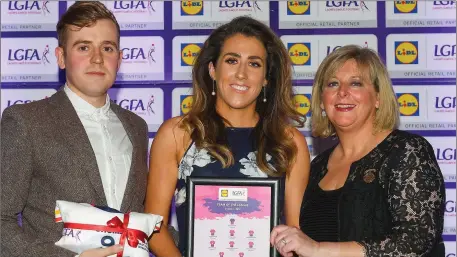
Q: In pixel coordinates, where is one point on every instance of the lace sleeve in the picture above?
(416, 198)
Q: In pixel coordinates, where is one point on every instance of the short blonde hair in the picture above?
(369, 63)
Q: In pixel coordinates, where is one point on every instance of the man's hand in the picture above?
(102, 252)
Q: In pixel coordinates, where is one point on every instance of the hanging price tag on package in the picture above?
(88, 227)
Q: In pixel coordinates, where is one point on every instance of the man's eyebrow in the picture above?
(111, 43)
(77, 42)
(90, 42)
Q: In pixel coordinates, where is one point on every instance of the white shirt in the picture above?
(111, 145)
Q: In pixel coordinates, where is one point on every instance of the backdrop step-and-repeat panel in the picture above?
(160, 39)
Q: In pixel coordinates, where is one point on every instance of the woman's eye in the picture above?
(256, 64)
(356, 84)
(332, 84)
(108, 49)
(83, 48)
(230, 61)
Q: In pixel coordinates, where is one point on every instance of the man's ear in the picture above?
(60, 55)
(212, 71)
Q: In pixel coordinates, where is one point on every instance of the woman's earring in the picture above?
(323, 113)
(264, 94)
(214, 87)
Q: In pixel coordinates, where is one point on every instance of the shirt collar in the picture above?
(82, 106)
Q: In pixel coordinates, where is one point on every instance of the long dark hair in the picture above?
(272, 133)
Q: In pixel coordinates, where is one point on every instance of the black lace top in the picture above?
(320, 216)
(393, 200)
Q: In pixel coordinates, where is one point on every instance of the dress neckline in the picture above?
(238, 128)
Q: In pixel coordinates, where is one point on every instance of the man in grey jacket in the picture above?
(75, 146)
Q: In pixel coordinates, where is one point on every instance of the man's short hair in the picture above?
(83, 14)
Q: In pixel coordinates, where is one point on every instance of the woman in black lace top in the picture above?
(379, 191)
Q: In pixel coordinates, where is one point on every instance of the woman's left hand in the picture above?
(288, 240)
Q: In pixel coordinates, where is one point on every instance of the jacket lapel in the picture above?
(68, 123)
(130, 130)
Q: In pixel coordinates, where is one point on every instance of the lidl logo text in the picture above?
(405, 6)
(189, 52)
(302, 104)
(300, 53)
(298, 7)
(406, 52)
(408, 104)
(186, 103)
(191, 8)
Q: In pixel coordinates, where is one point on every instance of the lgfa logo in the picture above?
(444, 52)
(302, 104)
(137, 105)
(405, 6)
(239, 6)
(406, 52)
(445, 104)
(446, 155)
(408, 104)
(346, 6)
(300, 53)
(137, 55)
(298, 8)
(13, 102)
(440, 5)
(28, 56)
(330, 49)
(133, 7)
(189, 51)
(186, 103)
(450, 208)
(191, 8)
(28, 7)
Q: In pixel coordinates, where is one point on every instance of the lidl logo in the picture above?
(191, 8)
(298, 8)
(406, 52)
(186, 103)
(224, 193)
(302, 103)
(233, 194)
(408, 104)
(189, 51)
(300, 53)
(405, 6)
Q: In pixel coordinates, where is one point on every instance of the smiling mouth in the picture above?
(344, 107)
(239, 88)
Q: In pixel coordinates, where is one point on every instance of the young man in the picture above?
(74, 146)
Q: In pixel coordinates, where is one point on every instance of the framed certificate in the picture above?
(231, 217)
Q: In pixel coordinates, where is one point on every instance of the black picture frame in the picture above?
(273, 183)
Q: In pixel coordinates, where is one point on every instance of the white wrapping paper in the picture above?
(88, 227)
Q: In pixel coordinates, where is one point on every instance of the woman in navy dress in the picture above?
(241, 125)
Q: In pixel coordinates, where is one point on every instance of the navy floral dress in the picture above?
(199, 163)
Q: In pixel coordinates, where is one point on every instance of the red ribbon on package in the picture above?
(115, 225)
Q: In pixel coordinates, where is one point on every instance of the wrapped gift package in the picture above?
(88, 227)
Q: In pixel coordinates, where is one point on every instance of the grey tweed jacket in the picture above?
(46, 156)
